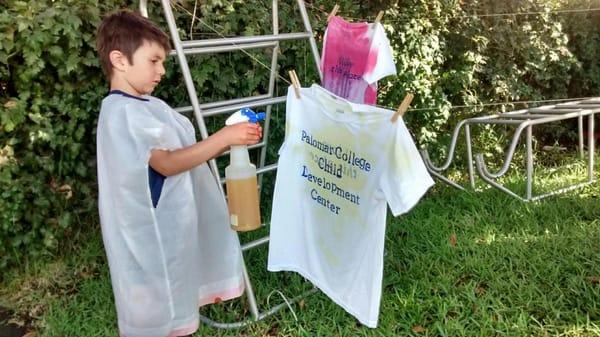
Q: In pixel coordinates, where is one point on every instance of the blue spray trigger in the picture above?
(252, 116)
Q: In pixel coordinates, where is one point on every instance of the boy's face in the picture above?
(147, 69)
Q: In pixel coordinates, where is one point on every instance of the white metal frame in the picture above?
(523, 120)
(201, 111)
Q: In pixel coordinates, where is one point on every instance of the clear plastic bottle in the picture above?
(241, 182)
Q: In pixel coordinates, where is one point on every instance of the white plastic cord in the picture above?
(193, 18)
(285, 300)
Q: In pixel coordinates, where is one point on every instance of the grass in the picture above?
(459, 264)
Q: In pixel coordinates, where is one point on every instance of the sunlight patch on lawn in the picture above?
(492, 237)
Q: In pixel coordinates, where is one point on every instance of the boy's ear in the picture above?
(118, 60)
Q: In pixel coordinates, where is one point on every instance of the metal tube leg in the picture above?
(591, 150)
(580, 133)
(313, 43)
(272, 77)
(263, 150)
(529, 162)
(250, 293)
(470, 155)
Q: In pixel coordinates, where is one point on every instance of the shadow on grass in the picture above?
(7, 328)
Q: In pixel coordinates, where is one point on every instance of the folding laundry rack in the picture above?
(201, 111)
(523, 120)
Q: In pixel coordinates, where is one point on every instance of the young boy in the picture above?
(164, 221)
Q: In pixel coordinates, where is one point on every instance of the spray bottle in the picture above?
(240, 178)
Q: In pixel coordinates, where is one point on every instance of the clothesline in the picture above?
(560, 11)
(381, 106)
(453, 107)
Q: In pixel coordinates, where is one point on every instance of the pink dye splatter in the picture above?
(348, 55)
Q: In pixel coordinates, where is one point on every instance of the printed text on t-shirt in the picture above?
(337, 162)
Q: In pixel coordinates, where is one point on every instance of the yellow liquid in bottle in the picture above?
(242, 200)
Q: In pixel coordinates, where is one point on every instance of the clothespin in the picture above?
(379, 17)
(333, 12)
(298, 85)
(403, 107)
(295, 82)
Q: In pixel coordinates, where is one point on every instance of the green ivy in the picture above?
(51, 89)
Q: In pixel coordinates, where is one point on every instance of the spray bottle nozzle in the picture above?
(253, 117)
(245, 115)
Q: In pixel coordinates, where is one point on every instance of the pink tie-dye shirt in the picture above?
(355, 56)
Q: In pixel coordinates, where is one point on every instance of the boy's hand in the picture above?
(242, 133)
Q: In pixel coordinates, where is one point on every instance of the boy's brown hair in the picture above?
(126, 31)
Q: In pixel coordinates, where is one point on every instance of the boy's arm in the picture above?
(170, 163)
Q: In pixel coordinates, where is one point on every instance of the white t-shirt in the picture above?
(355, 56)
(339, 167)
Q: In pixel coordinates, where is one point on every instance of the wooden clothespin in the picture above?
(295, 82)
(403, 107)
(379, 17)
(333, 12)
(298, 85)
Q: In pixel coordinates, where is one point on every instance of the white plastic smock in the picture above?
(166, 261)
